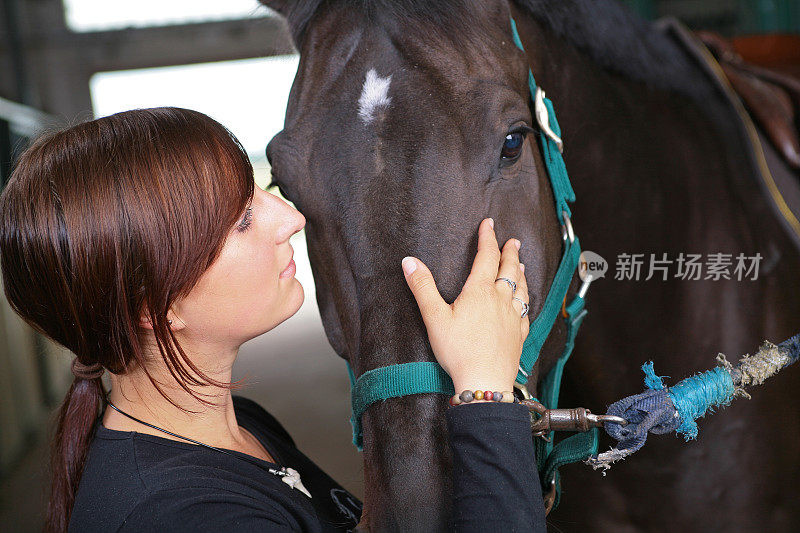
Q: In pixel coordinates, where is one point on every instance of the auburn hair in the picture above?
(103, 223)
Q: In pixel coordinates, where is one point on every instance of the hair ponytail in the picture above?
(76, 419)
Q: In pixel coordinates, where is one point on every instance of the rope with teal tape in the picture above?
(663, 409)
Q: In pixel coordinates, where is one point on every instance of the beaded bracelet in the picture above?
(468, 395)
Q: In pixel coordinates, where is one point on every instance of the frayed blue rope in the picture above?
(695, 395)
(651, 381)
(793, 347)
(663, 409)
(649, 412)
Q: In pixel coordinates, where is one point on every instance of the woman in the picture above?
(140, 243)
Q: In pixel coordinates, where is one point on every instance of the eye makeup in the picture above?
(246, 220)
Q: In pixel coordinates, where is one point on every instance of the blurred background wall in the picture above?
(65, 61)
(729, 17)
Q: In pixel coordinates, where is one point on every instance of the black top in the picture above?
(139, 482)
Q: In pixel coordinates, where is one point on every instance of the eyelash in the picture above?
(246, 220)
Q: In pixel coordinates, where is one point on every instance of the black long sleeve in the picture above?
(140, 482)
(495, 482)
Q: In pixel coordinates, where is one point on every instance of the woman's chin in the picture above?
(293, 299)
(301, 294)
(290, 303)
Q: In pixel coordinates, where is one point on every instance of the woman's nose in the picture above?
(292, 220)
(300, 220)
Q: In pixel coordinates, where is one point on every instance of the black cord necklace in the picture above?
(290, 476)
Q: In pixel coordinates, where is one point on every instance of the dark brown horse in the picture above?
(395, 144)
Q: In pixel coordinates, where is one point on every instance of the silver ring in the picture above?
(511, 284)
(525, 307)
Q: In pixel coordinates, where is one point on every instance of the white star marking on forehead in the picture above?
(373, 95)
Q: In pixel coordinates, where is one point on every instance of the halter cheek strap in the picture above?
(428, 377)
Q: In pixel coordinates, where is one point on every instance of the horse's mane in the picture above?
(618, 40)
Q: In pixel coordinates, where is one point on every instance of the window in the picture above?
(94, 15)
(248, 96)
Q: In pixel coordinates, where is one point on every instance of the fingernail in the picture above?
(522, 267)
(491, 223)
(517, 243)
(409, 265)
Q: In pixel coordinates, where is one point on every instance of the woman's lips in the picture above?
(289, 271)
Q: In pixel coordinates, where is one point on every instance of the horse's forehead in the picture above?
(370, 97)
(367, 73)
(342, 50)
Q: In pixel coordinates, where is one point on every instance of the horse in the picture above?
(401, 134)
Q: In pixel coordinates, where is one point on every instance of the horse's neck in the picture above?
(647, 164)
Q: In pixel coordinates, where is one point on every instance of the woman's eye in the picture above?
(512, 147)
(246, 220)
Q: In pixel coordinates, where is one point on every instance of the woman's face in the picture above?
(251, 287)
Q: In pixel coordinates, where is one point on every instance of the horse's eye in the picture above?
(512, 147)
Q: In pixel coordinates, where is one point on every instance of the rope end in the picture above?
(651, 380)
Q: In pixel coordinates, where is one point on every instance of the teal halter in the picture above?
(428, 377)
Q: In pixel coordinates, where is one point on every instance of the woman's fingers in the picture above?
(522, 292)
(420, 281)
(509, 267)
(522, 284)
(476, 338)
(484, 268)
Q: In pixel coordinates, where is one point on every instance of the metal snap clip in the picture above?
(562, 419)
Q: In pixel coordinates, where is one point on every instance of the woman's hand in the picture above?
(478, 338)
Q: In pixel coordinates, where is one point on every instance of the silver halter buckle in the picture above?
(543, 118)
(566, 230)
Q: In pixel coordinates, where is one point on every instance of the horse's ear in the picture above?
(296, 12)
(281, 6)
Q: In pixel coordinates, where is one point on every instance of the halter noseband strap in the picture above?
(429, 377)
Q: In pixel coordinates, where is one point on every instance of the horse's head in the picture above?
(408, 123)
